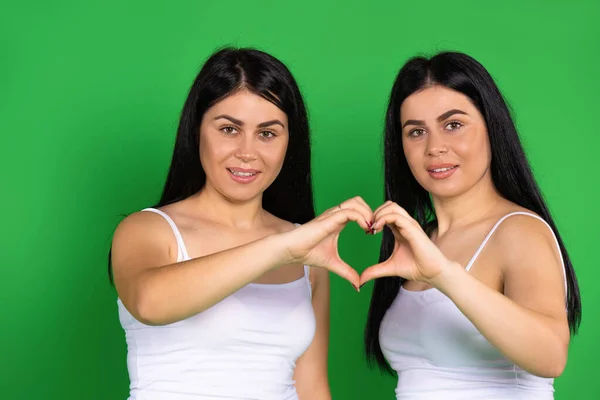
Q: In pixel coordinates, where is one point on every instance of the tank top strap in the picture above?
(182, 253)
(497, 224)
(307, 277)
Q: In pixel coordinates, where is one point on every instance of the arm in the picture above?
(528, 323)
(157, 290)
(311, 368)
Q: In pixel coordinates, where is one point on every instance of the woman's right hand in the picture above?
(316, 242)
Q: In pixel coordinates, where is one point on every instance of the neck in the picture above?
(240, 215)
(461, 210)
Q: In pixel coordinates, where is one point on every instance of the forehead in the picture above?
(247, 106)
(433, 101)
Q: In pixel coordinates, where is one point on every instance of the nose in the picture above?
(436, 146)
(246, 152)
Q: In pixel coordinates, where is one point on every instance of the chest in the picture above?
(427, 328)
(202, 240)
(465, 248)
(257, 319)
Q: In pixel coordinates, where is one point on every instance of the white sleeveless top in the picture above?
(439, 354)
(244, 347)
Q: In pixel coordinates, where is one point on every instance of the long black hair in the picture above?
(224, 73)
(510, 171)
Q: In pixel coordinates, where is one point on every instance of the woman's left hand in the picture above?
(415, 257)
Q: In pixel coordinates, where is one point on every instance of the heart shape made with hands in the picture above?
(414, 257)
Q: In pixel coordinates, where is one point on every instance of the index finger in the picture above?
(391, 207)
(345, 215)
(358, 204)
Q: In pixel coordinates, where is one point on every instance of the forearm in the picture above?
(524, 336)
(177, 291)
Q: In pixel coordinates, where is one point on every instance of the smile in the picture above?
(243, 176)
(241, 173)
(442, 169)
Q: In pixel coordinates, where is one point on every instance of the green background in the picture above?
(90, 94)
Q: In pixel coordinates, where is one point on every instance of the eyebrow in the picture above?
(234, 120)
(241, 123)
(442, 117)
(271, 122)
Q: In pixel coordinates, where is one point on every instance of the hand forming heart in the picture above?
(415, 256)
(316, 242)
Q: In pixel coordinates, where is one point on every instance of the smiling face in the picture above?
(243, 142)
(445, 141)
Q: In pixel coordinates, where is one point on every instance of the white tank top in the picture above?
(439, 354)
(244, 347)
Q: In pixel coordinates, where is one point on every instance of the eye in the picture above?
(454, 125)
(416, 133)
(267, 135)
(228, 130)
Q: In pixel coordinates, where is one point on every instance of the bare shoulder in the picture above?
(531, 265)
(524, 236)
(140, 224)
(140, 236)
(523, 230)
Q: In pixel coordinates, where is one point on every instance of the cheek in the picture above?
(466, 150)
(213, 150)
(274, 153)
(275, 159)
(476, 150)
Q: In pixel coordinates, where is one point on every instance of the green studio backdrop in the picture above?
(89, 104)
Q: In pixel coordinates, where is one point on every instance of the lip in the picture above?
(243, 179)
(443, 174)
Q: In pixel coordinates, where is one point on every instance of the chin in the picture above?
(444, 189)
(239, 193)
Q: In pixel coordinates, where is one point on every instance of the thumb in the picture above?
(345, 271)
(377, 271)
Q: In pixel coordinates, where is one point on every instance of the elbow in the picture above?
(553, 370)
(144, 314)
(555, 365)
(147, 310)
(558, 371)
(560, 361)
(557, 368)
(551, 357)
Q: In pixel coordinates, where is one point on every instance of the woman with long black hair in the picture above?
(475, 293)
(215, 295)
